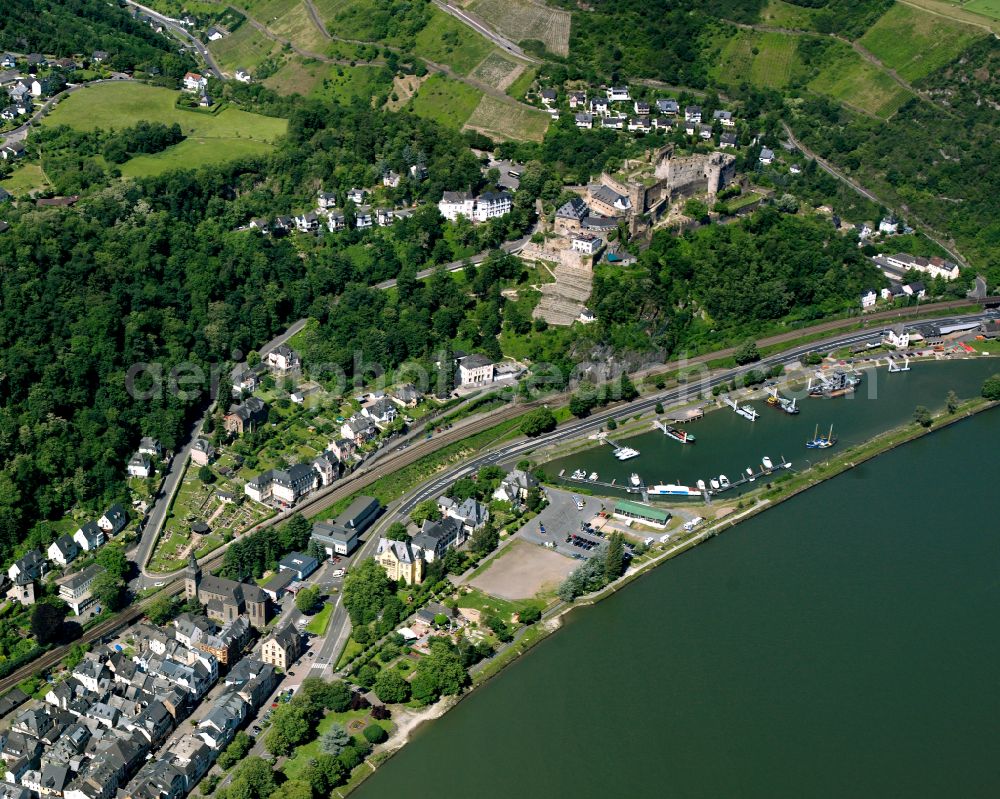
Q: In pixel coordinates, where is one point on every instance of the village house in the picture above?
(391, 179)
(868, 299)
(363, 217)
(402, 561)
(307, 222)
(897, 336)
(667, 106)
(89, 537)
(282, 648)
(139, 466)
(335, 220)
(725, 118)
(299, 564)
(584, 120)
(516, 486)
(381, 411)
(246, 417)
(75, 590)
(284, 486)
(283, 359)
(194, 83)
(406, 395)
(895, 266)
(327, 467)
(356, 196)
(202, 452)
(692, 113)
(766, 156)
(436, 538)
(359, 429)
(243, 76)
(30, 564)
(577, 99)
(587, 244)
(727, 141)
(63, 550)
(215, 33)
(549, 97)
(489, 205)
(618, 94)
(889, 225)
(475, 370)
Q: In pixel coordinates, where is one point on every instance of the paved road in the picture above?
(456, 266)
(829, 168)
(20, 133)
(481, 28)
(513, 451)
(158, 514)
(176, 28)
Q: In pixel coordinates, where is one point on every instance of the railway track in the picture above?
(400, 459)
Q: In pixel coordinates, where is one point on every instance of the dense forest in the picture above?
(943, 165)
(73, 27)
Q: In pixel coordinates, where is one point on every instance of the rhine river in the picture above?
(841, 644)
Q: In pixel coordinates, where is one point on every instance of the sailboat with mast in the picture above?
(821, 442)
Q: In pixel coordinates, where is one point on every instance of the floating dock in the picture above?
(748, 412)
(706, 493)
(896, 367)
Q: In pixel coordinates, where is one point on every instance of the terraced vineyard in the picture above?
(916, 43)
(519, 20)
(502, 121)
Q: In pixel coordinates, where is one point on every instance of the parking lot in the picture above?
(561, 519)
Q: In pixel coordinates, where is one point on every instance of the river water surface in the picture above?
(843, 644)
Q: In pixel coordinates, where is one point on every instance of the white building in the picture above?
(898, 337)
(285, 486)
(139, 466)
(474, 370)
(243, 76)
(588, 245)
(868, 299)
(618, 94)
(490, 205)
(193, 82)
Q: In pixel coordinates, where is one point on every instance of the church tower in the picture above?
(192, 578)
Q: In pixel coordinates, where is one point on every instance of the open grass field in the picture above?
(445, 40)
(771, 66)
(403, 88)
(916, 43)
(520, 86)
(446, 101)
(245, 48)
(25, 180)
(519, 20)
(497, 70)
(346, 83)
(848, 78)
(289, 19)
(210, 138)
(120, 105)
(500, 120)
(988, 8)
(982, 13)
(779, 14)
(297, 77)
(193, 153)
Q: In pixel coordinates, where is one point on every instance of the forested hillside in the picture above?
(78, 27)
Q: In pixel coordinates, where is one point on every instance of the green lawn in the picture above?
(916, 43)
(25, 180)
(321, 620)
(120, 105)
(300, 760)
(769, 60)
(502, 120)
(988, 8)
(212, 138)
(446, 101)
(246, 48)
(194, 153)
(448, 41)
(848, 78)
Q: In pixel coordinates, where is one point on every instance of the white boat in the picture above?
(579, 474)
(625, 453)
(634, 480)
(673, 489)
(724, 481)
(767, 463)
(714, 482)
(593, 476)
(750, 476)
(747, 412)
(701, 485)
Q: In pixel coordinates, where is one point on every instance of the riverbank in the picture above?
(761, 499)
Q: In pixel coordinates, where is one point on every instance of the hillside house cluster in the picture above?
(327, 214)
(142, 463)
(101, 732)
(896, 266)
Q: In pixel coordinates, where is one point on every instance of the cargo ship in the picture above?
(678, 435)
(775, 400)
(837, 384)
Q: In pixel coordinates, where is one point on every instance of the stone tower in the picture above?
(192, 578)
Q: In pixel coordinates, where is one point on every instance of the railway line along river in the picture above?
(841, 644)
